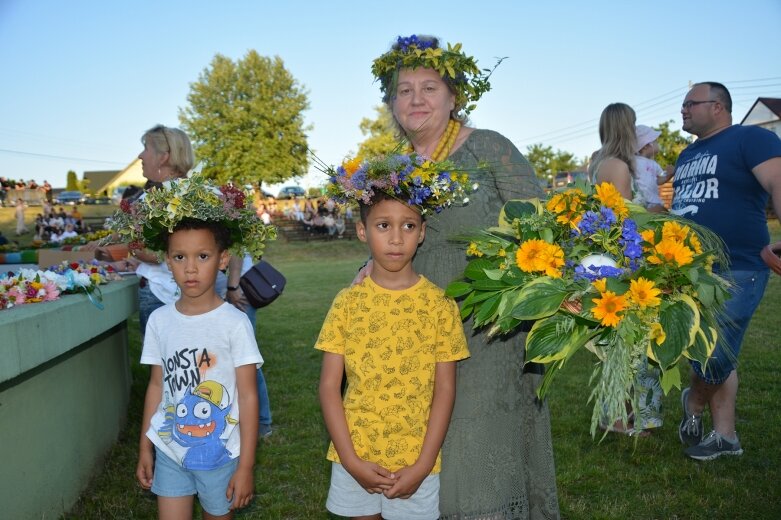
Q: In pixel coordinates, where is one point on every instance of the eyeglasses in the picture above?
(688, 104)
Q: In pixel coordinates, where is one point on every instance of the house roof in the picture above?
(773, 105)
(98, 180)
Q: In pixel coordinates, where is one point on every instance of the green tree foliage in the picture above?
(671, 144)
(246, 120)
(72, 181)
(547, 162)
(382, 134)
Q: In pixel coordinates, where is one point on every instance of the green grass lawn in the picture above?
(612, 479)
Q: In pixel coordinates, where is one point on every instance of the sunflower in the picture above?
(607, 308)
(644, 293)
(600, 284)
(551, 261)
(529, 254)
(675, 231)
(671, 251)
(695, 244)
(610, 197)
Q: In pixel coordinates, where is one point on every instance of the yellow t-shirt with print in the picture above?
(391, 342)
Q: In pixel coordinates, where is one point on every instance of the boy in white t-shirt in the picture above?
(200, 422)
(649, 175)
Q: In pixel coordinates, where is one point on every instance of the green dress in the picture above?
(497, 459)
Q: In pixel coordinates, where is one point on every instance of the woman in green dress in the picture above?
(497, 459)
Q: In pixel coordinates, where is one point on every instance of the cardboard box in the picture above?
(50, 257)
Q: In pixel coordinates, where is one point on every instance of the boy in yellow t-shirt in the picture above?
(397, 337)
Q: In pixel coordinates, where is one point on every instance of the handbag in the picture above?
(262, 284)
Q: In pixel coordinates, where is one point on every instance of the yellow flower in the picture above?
(608, 307)
(674, 231)
(609, 196)
(473, 251)
(502, 253)
(657, 333)
(551, 261)
(528, 255)
(669, 251)
(649, 236)
(600, 284)
(644, 293)
(556, 203)
(351, 166)
(694, 242)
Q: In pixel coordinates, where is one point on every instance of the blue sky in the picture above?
(82, 80)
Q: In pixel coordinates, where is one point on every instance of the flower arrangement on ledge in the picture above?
(35, 286)
(593, 270)
(427, 185)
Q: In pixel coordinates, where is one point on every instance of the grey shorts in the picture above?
(347, 498)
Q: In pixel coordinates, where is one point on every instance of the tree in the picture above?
(671, 144)
(71, 181)
(546, 162)
(382, 134)
(246, 121)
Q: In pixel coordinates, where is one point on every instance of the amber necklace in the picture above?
(446, 142)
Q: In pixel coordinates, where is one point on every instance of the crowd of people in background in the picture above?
(55, 224)
(12, 190)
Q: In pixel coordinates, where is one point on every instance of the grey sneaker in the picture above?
(690, 430)
(264, 431)
(713, 446)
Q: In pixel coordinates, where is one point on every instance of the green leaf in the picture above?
(487, 311)
(516, 209)
(539, 298)
(670, 378)
(458, 289)
(555, 338)
(489, 285)
(706, 293)
(680, 321)
(475, 270)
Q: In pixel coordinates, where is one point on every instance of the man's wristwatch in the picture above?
(233, 288)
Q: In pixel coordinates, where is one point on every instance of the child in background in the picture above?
(398, 337)
(199, 429)
(649, 174)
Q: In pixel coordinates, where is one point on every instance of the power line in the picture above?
(60, 157)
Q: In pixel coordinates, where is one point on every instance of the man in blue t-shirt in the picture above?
(723, 181)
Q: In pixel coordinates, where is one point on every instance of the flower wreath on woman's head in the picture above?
(145, 222)
(458, 70)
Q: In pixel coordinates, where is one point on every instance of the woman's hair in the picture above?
(617, 134)
(456, 114)
(176, 143)
(221, 234)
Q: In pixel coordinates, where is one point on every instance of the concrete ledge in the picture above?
(36, 333)
(63, 397)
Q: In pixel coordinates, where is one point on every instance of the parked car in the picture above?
(69, 197)
(97, 200)
(291, 192)
(564, 178)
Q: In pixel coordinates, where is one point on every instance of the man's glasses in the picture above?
(688, 104)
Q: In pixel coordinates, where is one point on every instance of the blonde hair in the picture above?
(174, 142)
(617, 135)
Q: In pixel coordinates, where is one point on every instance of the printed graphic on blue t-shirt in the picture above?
(714, 185)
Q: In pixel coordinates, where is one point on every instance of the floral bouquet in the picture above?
(34, 286)
(430, 186)
(144, 222)
(592, 270)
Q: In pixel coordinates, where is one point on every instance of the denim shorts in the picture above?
(746, 294)
(172, 480)
(147, 302)
(347, 498)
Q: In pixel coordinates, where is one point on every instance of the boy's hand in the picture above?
(240, 488)
(372, 477)
(408, 481)
(145, 469)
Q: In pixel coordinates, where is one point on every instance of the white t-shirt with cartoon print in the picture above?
(196, 424)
